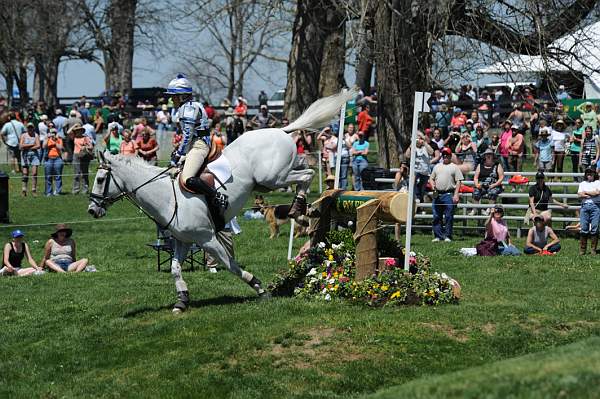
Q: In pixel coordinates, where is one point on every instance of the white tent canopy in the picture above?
(577, 51)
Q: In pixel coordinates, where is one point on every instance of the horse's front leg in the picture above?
(183, 297)
(217, 250)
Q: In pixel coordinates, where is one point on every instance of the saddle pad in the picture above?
(221, 168)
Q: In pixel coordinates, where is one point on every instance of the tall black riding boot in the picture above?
(197, 185)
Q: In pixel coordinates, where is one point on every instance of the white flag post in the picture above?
(338, 158)
(421, 105)
(291, 241)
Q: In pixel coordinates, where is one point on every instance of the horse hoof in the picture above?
(177, 311)
(265, 296)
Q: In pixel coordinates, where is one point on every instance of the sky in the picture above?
(78, 78)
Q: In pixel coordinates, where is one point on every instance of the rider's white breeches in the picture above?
(194, 159)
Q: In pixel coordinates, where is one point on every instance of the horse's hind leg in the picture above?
(216, 249)
(183, 297)
(302, 178)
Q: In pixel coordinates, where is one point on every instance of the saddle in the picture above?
(204, 174)
(208, 177)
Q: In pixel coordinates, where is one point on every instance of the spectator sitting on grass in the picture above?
(14, 253)
(496, 227)
(537, 238)
(545, 150)
(60, 252)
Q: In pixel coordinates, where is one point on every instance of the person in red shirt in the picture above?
(458, 119)
(364, 120)
(147, 147)
(241, 108)
(528, 101)
(210, 111)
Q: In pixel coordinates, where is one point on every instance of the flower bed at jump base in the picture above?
(327, 271)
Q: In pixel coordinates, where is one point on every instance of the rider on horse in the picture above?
(195, 145)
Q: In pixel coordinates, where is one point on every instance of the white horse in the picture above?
(264, 159)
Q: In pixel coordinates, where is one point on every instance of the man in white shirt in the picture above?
(445, 181)
(11, 134)
(162, 120)
(589, 214)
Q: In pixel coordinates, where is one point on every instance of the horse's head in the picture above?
(106, 191)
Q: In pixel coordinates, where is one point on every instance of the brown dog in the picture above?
(277, 215)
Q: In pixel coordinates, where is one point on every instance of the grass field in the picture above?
(526, 327)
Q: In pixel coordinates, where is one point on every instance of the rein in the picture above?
(103, 200)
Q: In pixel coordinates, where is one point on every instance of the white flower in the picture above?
(444, 276)
(321, 245)
(327, 263)
(328, 297)
(412, 253)
(312, 272)
(324, 291)
(336, 246)
(331, 281)
(313, 280)
(436, 274)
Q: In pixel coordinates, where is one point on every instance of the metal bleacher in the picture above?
(514, 211)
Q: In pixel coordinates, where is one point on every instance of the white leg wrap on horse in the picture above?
(176, 273)
(247, 277)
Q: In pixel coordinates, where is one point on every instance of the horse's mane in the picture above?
(135, 162)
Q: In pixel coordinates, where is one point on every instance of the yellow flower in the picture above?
(336, 274)
(324, 274)
(385, 287)
(335, 287)
(330, 257)
(395, 295)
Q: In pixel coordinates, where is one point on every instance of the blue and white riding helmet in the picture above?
(179, 85)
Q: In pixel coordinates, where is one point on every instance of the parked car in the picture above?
(276, 100)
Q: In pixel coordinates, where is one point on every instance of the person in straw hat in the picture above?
(60, 252)
(83, 151)
(588, 114)
(545, 150)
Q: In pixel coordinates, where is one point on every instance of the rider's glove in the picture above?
(175, 158)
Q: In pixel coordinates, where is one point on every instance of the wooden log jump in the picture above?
(369, 208)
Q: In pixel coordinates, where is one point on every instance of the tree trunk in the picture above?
(21, 79)
(364, 47)
(51, 81)
(39, 82)
(334, 57)
(304, 64)
(8, 79)
(403, 59)
(118, 59)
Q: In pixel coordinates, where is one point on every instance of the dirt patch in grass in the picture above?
(488, 329)
(459, 336)
(303, 349)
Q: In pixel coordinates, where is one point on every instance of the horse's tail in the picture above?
(321, 112)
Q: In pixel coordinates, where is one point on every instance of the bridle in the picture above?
(104, 200)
